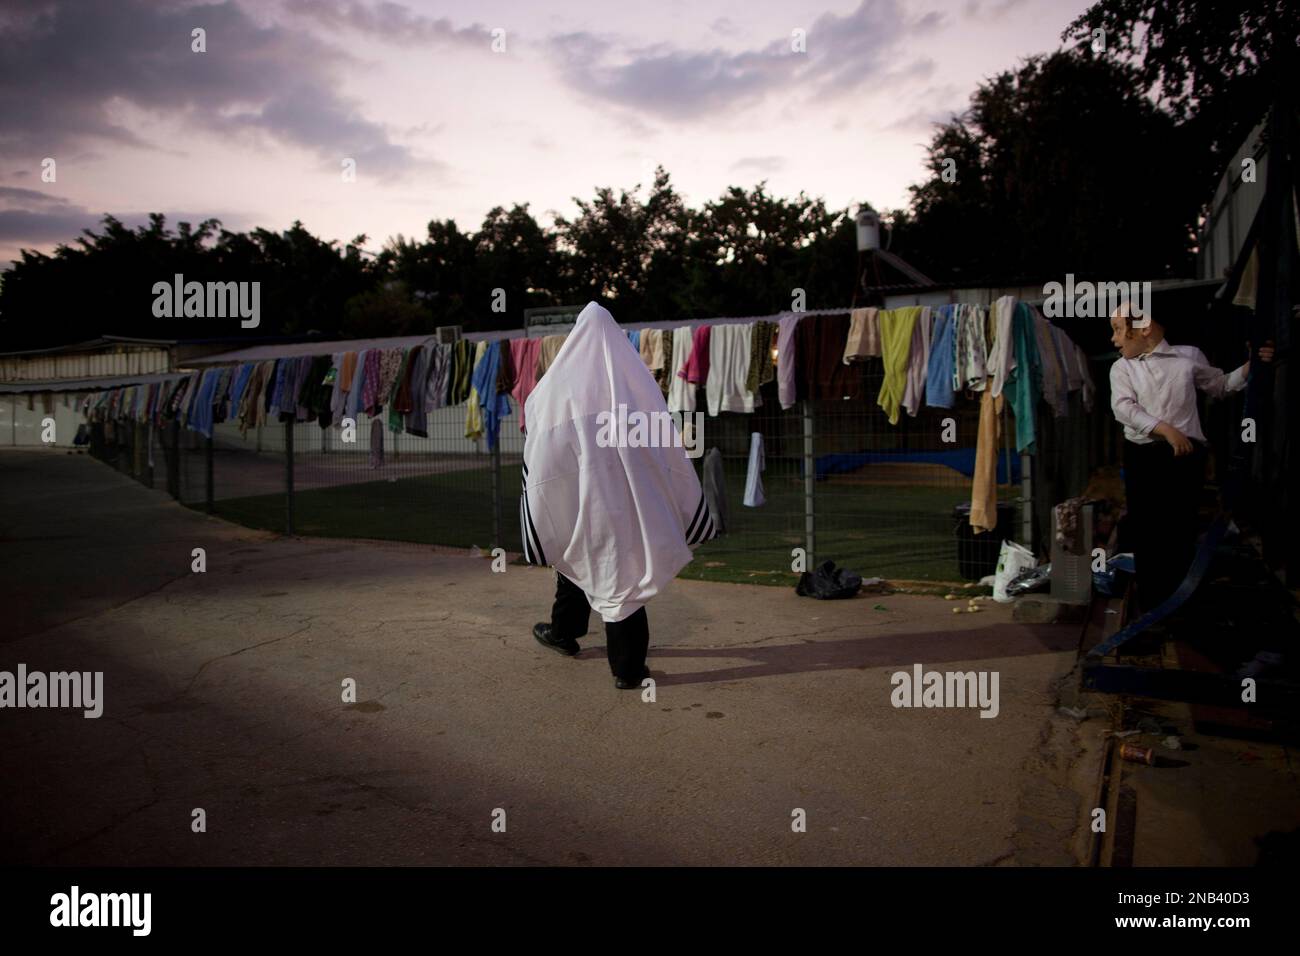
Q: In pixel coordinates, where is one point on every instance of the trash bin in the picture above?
(977, 554)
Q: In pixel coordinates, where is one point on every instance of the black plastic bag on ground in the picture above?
(828, 582)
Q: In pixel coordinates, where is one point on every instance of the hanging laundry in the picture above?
(864, 335)
(400, 396)
(435, 392)
(550, 348)
(493, 404)
(754, 496)
(505, 367)
(371, 394)
(715, 490)
(667, 375)
(652, 348)
(939, 392)
(417, 418)
(918, 362)
(681, 394)
(1055, 391)
(525, 358)
(1085, 377)
(762, 367)
(1023, 386)
(786, 373)
(634, 336)
(473, 404)
(696, 369)
(1002, 356)
(984, 485)
(820, 372)
(896, 327)
(376, 443)
(729, 352)
(971, 371)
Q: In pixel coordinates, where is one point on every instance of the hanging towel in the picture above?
(652, 348)
(525, 354)
(754, 476)
(786, 373)
(1055, 392)
(715, 490)
(617, 521)
(729, 351)
(984, 485)
(667, 375)
(762, 367)
(696, 369)
(493, 405)
(1002, 355)
(864, 335)
(376, 443)
(546, 353)
(820, 372)
(919, 362)
(938, 378)
(1024, 384)
(473, 402)
(681, 394)
(896, 327)
(971, 371)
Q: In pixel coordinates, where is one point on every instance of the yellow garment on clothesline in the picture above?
(984, 486)
(473, 413)
(896, 327)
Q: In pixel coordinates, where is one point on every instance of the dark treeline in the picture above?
(1099, 162)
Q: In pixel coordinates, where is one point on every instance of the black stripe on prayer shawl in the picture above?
(523, 531)
(537, 541)
(698, 511)
(704, 532)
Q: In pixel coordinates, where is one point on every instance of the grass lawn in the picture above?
(888, 530)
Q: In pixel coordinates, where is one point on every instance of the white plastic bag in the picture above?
(1012, 559)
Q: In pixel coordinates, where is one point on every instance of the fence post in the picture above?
(288, 476)
(496, 495)
(1027, 501)
(809, 484)
(207, 464)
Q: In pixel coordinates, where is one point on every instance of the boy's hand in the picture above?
(1181, 444)
(1265, 353)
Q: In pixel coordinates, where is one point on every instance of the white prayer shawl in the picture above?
(617, 518)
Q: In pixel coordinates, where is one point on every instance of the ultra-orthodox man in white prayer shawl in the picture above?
(610, 498)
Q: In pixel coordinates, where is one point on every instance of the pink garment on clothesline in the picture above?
(524, 353)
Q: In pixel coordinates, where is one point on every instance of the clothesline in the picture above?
(929, 356)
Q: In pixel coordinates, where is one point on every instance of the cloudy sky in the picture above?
(440, 124)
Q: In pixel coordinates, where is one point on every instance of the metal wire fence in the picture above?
(840, 482)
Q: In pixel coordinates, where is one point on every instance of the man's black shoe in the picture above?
(625, 683)
(542, 631)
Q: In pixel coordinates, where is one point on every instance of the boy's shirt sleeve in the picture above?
(1124, 403)
(1214, 382)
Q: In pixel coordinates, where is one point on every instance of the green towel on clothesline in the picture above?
(896, 327)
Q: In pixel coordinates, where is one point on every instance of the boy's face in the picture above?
(1129, 341)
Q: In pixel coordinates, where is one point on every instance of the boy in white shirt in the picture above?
(1153, 389)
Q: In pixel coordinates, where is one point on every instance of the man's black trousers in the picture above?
(627, 641)
(1163, 495)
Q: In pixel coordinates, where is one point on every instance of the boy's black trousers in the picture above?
(1163, 495)
(626, 641)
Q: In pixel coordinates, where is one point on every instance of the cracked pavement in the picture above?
(223, 692)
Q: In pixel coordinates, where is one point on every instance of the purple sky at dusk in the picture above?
(586, 94)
